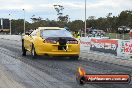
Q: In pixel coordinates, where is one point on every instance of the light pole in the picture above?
(85, 18)
(10, 22)
(2, 23)
(24, 20)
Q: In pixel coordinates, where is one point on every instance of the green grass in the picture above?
(118, 36)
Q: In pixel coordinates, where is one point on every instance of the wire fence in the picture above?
(118, 36)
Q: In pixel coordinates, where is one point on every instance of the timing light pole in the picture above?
(24, 21)
(10, 23)
(85, 18)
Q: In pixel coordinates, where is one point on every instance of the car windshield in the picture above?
(55, 33)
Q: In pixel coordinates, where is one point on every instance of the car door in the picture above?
(29, 40)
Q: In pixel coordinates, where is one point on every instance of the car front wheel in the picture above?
(33, 52)
(23, 49)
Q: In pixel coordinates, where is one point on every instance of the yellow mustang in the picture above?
(52, 41)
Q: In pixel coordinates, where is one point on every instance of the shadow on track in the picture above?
(51, 58)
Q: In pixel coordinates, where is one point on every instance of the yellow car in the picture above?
(51, 41)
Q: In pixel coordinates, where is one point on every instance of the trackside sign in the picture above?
(104, 45)
(125, 48)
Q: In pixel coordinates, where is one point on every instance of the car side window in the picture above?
(34, 33)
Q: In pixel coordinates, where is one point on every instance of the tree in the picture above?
(123, 19)
(17, 26)
(59, 9)
(76, 25)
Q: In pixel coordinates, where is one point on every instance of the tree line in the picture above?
(108, 23)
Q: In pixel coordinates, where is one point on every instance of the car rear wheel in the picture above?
(74, 57)
(23, 49)
(33, 52)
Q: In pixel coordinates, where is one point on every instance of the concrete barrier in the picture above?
(11, 37)
(85, 43)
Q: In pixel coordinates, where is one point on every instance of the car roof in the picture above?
(49, 28)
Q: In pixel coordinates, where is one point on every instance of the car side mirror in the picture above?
(27, 33)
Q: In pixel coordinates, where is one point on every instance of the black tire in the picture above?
(23, 49)
(74, 57)
(33, 52)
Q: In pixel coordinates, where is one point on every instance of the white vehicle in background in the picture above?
(100, 34)
(123, 29)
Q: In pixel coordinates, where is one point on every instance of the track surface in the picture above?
(49, 72)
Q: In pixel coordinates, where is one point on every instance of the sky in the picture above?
(74, 8)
